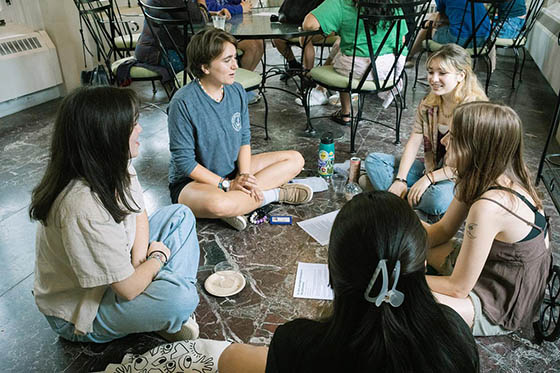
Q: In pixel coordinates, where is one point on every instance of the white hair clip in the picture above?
(393, 296)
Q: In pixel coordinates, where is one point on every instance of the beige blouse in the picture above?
(80, 252)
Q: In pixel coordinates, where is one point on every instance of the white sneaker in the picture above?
(316, 97)
(237, 222)
(189, 330)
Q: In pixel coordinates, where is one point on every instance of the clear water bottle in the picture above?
(326, 155)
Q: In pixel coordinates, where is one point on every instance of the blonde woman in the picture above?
(495, 279)
(427, 183)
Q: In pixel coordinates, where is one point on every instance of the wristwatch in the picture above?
(224, 184)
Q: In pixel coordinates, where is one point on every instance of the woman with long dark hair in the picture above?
(103, 270)
(496, 277)
(384, 316)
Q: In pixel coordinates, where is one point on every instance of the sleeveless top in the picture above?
(512, 283)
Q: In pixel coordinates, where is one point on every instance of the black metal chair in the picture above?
(547, 327)
(104, 24)
(517, 43)
(327, 77)
(476, 50)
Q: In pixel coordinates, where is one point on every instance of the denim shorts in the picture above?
(511, 28)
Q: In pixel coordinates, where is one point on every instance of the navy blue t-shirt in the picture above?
(459, 14)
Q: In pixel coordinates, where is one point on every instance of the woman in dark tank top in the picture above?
(495, 278)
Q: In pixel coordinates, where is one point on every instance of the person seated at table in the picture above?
(212, 169)
(339, 16)
(515, 18)
(253, 50)
(452, 82)
(286, 51)
(496, 277)
(147, 49)
(384, 318)
(103, 270)
(452, 24)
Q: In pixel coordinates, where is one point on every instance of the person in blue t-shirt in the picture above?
(212, 170)
(515, 18)
(453, 24)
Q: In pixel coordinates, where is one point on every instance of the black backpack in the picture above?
(294, 11)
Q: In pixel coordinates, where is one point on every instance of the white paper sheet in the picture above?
(312, 282)
(319, 227)
(317, 183)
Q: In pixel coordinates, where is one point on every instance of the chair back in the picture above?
(533, 11)
(389, 19)
(105, 24)
(492, 15)
(172, 28)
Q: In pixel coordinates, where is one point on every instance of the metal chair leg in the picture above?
(522, 64)
(265, 114)
(305, 102)
(154, 89)
(515, 67)
(488, 71)
(416, 67)
(355, 121)
(405, 87)
(398, 117)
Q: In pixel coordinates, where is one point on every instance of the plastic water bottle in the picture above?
(326, 155)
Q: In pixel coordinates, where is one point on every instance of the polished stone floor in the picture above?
(267, 255)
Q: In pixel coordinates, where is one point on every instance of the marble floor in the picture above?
(267, 255)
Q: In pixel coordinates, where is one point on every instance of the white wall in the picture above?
(61, 21)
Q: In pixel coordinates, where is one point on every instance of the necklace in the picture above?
(446, 116)
(212, 97)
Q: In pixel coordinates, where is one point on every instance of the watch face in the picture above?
(225, 184)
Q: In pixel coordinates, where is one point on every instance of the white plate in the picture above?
(224, 283)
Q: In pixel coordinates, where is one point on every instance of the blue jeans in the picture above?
(511, 27)
(444, 36)
(166, 303)
(382, 169)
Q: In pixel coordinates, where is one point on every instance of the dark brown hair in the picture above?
(204, 47)
(90, 142)
(487, 142)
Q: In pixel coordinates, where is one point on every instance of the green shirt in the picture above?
(339, 16)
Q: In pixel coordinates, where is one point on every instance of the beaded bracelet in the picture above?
(162, 253)
(157, 256)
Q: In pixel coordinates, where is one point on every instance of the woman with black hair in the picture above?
(384, 317)
(103, 270)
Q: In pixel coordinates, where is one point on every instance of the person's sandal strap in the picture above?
(338, 117)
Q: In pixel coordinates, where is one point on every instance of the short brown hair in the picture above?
(205, 46)
(487, 142)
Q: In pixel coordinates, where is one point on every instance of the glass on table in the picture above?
(219, 21)
(338, 183)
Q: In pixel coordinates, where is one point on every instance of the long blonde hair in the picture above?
(453, 58)
(487, 142)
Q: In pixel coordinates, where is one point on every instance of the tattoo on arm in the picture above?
(470, 231)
